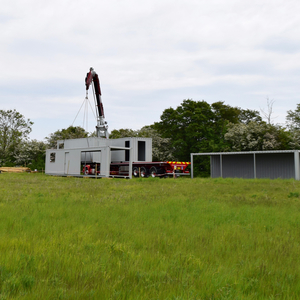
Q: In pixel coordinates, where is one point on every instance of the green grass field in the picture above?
(72, 238)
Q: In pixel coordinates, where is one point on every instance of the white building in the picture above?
(70, 156)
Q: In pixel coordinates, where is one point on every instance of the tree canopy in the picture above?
(72, 132)
(14, 129)
(121, 133)
(293, 118)
(197, 126)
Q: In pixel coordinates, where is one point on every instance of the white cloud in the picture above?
(149, 55)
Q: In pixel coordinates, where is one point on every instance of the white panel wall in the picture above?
(56, 167)
(72, 162)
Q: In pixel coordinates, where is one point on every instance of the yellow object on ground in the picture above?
(14, 169)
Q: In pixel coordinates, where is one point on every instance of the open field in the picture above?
(71, 238)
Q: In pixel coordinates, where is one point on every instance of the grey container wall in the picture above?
(254, 164)
(70, 154)
(141, 147)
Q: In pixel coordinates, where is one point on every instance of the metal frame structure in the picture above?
(254, 164)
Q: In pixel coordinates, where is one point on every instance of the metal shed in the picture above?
(253, 164)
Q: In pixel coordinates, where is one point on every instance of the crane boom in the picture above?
(92, 77)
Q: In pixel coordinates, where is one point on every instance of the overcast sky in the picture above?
(149, 55)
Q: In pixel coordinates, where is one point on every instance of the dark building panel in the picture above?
(127, 152)
(275, 165)
(240, 166)
(215, 166)
(141, 150)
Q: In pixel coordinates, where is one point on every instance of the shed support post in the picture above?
(130, 164)
(254, 165)
(221, 168)
(192, 166)
(296, 162)
(210, 165)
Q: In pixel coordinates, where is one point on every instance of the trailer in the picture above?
(142, 169)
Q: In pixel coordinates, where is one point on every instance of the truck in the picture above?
(139, 169)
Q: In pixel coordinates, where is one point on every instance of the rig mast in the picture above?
(101, 128)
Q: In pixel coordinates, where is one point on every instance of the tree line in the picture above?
(193, 126)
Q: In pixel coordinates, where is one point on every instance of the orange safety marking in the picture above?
(178, 163)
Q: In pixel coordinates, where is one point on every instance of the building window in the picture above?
(52, 157)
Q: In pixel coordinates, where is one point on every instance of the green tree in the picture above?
(190, 126)
(14, 129)
(293, 124)
(223, 115)
(248, 115)
(121, 133)
(72, 132)
(196, 126)
(293, 118)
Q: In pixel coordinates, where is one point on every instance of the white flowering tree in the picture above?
(31, 153)
(256, 136)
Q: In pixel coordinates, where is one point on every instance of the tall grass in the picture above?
(71, 238)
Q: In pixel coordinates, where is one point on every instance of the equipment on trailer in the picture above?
(156, 169)
(142, 169)
(101, 128)
(103, 157)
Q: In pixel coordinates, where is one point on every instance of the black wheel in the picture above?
(153, 172)
(135, 172)
(144, 173)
